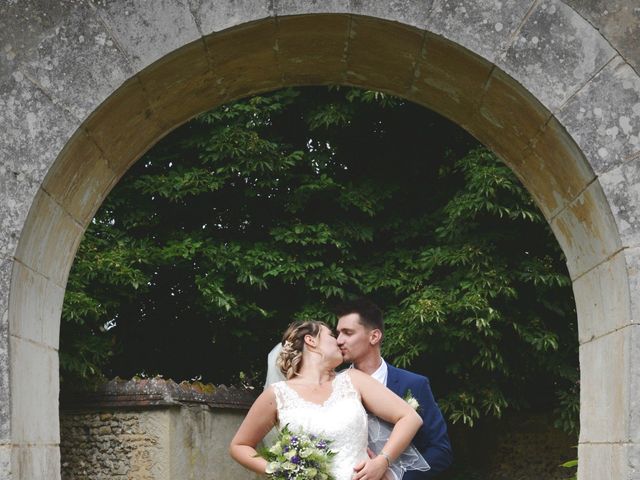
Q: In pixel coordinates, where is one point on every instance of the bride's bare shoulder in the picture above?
(357, 377)
(267, 397)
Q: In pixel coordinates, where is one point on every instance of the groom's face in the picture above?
(353, 337)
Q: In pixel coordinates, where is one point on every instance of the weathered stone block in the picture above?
(80, 178)
(632, 257)
(617, 20)
(245, 59)
(39, 320)
(305, 7)
(407, 12)
(605, 369)
(125, 127)
(22, 25)
(35, 462)
(610, 382)
(181, 85)
(604, 117)
(16, 194)
(78, 64)
(147, 34)
(34, 129)
(48, 227)
(216, 15)
(5, 461)
(313, 49)
(447, 79)
(5, 412)
(586, 231)
(608, 461)
(633, 419)
(509, 118)
(34, 393)
(5, 281)
(603, 300)
(622, 189)
(483, 26)
(554, 168)
(380, 59)
(555, 53)
(201, 424)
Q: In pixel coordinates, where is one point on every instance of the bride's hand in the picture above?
(372, 469)
(388, 475)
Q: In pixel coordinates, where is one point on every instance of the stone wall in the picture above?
(115, 445)
(152, 430)
(157, 430)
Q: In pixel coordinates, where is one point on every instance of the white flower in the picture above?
(289, 466)
(307, 452)
(272, 467)
(276, 448)
(411, 400)
(413, 403)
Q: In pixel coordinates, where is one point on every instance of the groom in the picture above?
(360, 330)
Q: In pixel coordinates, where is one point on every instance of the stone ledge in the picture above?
(158, 392)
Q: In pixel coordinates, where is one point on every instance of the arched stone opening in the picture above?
(542, 120)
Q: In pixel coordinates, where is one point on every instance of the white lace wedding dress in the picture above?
(340, 419)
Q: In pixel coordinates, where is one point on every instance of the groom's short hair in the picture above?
(370, 313)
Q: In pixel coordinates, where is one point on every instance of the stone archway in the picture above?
(86, 88)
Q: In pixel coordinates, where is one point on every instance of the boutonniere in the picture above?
(411, 400)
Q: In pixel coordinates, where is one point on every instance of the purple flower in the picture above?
(321, 445)
(295, 459)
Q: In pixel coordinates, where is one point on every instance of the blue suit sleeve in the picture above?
(432, 439)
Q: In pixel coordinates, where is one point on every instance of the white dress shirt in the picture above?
(381, 373)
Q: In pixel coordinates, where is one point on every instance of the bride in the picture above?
(316, 400)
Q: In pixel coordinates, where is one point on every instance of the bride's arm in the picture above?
(259, 420)
(385, 404)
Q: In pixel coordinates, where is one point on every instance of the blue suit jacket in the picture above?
(432, 440)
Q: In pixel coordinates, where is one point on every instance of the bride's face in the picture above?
(327, 345)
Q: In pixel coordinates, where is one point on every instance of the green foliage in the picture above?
(571, 464)
(278, 206)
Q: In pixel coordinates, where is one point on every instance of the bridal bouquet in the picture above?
(298, 456)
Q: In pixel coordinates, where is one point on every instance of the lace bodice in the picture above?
(341, 419)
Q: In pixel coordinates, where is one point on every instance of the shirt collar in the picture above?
(381, 373)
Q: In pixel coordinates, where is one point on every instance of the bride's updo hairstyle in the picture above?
(290, 358)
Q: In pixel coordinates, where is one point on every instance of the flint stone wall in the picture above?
(152, 430)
